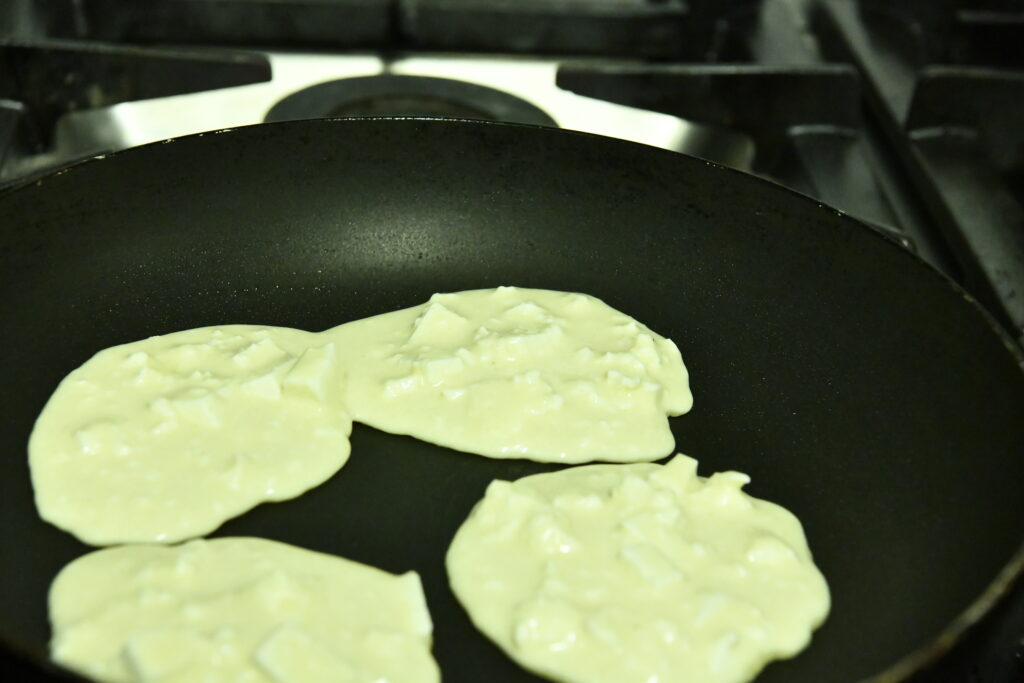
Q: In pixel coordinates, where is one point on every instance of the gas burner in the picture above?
(391, 95)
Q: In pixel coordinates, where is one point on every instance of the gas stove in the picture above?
(905, 115)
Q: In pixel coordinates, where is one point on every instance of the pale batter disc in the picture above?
(238, 609)
(637, 573)
(164, 439)
(516, 373)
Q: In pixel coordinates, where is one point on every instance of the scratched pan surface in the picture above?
(859, 388)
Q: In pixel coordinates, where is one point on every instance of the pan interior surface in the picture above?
(858, 388)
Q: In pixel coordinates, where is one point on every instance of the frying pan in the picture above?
(858, 387)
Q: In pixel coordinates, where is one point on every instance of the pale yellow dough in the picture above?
(637, 573)
(244, 610)
(165, 439)
(516, 373)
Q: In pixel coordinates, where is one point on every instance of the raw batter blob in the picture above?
(166, 438)
(637, 573)
(238, 609)
(517, 373)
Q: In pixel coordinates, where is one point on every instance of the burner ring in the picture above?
(390, 95)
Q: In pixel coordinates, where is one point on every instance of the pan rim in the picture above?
(909, 663)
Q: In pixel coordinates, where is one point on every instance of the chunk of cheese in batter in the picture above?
(637, 573)
(238, 609)
(516, 373)
(164, 439)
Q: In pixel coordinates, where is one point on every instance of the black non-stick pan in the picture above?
(858, 387)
